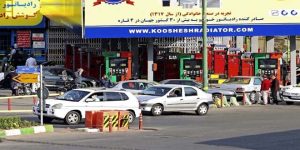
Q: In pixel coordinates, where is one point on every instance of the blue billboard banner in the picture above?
(174, 18)
(192, 31)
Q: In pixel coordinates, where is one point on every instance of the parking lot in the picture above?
(243, 127)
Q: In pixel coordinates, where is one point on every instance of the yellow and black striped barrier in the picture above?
(123, 120)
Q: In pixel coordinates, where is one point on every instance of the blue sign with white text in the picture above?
(192, 31)
(26, 69)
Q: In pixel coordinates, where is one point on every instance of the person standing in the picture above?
(78, 79)
(106, 82)
(31, 61)
(274, 88)
(265, 89)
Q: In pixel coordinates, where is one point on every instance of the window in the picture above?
(189, 83)
(113, 96)
(257, 82)
(190, 91)
(173, 82)
(176, 92)
(142, 86)
(97, 97)
(130, 85)
(124, 96)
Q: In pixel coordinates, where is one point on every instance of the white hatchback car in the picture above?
(71, 106)
(160, 98)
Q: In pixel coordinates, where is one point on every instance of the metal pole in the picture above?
(41, 96)
(204, 37)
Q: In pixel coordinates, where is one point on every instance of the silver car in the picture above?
(160, 98)
(242, 84)
(134, 86)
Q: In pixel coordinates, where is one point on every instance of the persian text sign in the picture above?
(165, 18)
(20, 13)
(24, 38)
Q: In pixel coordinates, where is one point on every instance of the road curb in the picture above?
(15, 111)
(27, 131)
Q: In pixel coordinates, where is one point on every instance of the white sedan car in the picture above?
(290, 94)
(160, 98)
(71, 106)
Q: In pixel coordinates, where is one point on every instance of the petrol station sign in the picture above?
(173, 18)
(16, 13)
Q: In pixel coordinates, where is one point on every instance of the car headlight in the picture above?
(57, 106)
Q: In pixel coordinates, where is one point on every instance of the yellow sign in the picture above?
(26, 78)
(188, 12)
(20, 13)
(66, 12)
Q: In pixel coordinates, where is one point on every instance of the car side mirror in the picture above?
(89, 100)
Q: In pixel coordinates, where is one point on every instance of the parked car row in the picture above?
(156, 99)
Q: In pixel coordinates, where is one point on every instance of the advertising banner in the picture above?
(64, 12)
(183, 18)
(16, 13)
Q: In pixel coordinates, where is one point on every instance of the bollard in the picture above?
(141, 122)
(244, 98)
(9, 104)
(33, 100)
(110, 123)
(221, 100)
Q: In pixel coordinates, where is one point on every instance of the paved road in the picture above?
(247, 127)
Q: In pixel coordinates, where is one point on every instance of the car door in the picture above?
(113, 101)
(257, 84)
(50, 77)
(190, 98)
(173, 100)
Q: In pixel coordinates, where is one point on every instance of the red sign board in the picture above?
(24, 38)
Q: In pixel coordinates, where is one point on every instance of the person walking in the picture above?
(265, 89)
(31, 61)
(274, 88)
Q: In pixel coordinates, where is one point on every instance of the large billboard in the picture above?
(183, 18)
(20, 13)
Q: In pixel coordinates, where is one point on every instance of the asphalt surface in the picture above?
(268, 127)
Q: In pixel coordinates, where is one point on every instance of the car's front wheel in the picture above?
(157, 110)
(202, 109)
(72, 118)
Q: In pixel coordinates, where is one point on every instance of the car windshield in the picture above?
(73, 95)
(238, 80)
(156, 91)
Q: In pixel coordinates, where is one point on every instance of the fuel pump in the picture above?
(233, 61)
(190, 66)
(167, 60)
(247, 68)
(267, 64)
(220, 59)
(118, 65)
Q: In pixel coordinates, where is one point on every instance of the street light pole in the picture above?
(204, 41)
